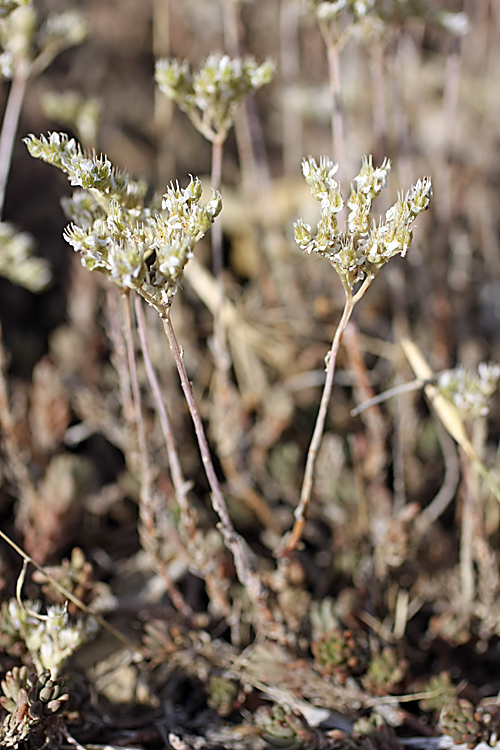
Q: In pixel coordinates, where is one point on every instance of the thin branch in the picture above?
(397, 390)
(181, 486)
(148, 532)
(305, 495)
(234, 542)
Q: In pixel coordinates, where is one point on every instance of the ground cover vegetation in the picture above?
(249, 352)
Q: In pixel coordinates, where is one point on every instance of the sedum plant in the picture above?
(357, 252)
(33, 703)
(144, 248)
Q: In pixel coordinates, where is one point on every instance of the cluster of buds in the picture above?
(470, 391)
(440, 690)
(363, 247)
(385, 673)
(32, 702)
(282, 727)
(375, 734)
(51, 638)
(222, 695)
(341, 653)
(369, 18)
(470, 725)
(160, 641)
(137, 246)
(74, 111)
(210, 96)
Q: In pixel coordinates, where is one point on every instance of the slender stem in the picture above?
(291, 73)
(307, 484)
(146, 502)
(397, 390)
(378, 77)
(9, 129)
(305, 495)
(179, 482)
(221, 353)
(216, 229)
(234, 542)
(149, 535)
(467, 534)
(119, 353)
(448, 489)
(333, 47)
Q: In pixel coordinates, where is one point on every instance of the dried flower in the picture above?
(76, 575)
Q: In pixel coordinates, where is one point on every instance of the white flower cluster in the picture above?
(360, 250)
(210, 95)
(138, 246)
(470, 391)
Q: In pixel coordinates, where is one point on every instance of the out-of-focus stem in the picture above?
(148, 532)
(216, 231)
(180, 484)
(146, 491)
(9, 128)
(290, 71)
(333, 47)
